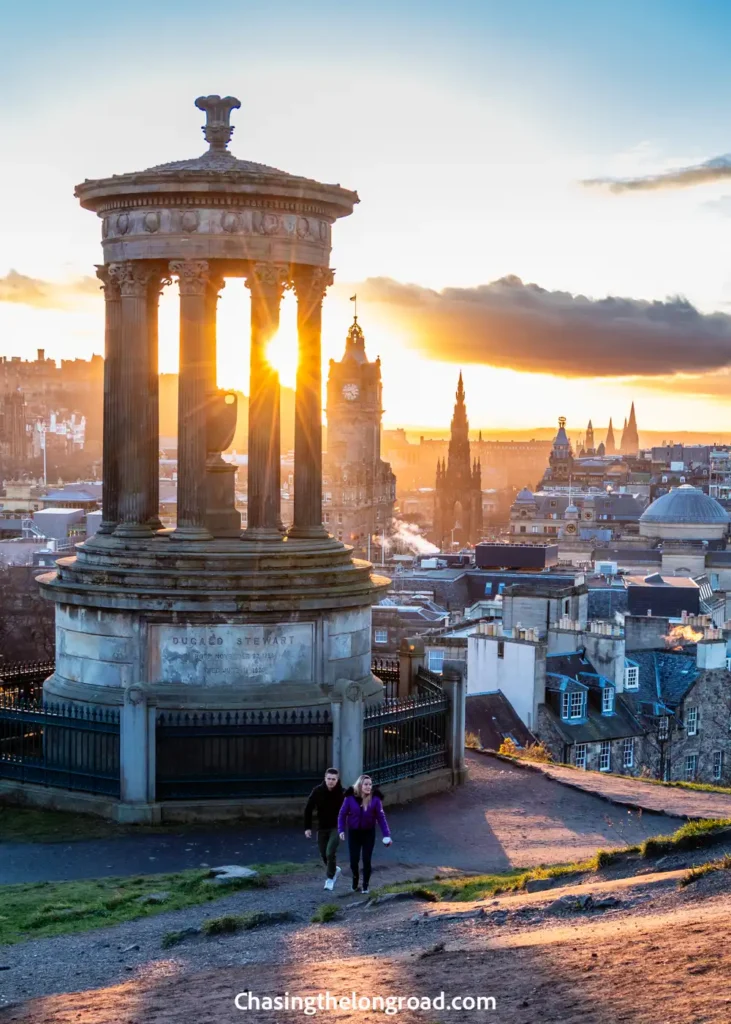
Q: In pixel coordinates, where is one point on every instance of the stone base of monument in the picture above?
(162, 628)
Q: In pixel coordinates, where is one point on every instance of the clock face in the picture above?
(350, 392)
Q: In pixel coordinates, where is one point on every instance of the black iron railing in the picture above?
(387, 670)
(24, 680)
(241, 753)
(405, 738)
(64, 745)
(428, 684)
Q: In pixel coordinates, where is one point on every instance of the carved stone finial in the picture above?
(217, 129)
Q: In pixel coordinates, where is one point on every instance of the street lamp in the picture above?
(663, 741)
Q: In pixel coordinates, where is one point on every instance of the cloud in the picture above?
(717, 169)
(712, 385)
(525, 327)
(31, 291)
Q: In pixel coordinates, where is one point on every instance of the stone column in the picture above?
(192, 380)
(267, 282)
(453, 683)
(111, 441)
(349, 695)
(222, 517)
(157, 283)
(132, 406)
(310, 284)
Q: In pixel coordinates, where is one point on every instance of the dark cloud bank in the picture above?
(717, 169)
(524, 327)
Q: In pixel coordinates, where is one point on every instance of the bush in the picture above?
(508, 748)
(472, 741)
(324, 913)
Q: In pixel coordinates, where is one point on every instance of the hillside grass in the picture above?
(475, 887)
(44, 909)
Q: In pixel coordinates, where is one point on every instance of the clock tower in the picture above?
(359, 487)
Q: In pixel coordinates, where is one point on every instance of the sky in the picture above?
(521, 214)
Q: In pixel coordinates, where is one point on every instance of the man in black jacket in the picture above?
(326, 799)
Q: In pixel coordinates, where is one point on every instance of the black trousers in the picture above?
(361, 841)
(327, 840)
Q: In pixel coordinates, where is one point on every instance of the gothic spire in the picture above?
(610, 444)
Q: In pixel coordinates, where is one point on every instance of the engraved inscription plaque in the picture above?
(226, 655)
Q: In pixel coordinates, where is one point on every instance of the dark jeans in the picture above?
(327, 840)
(361, 841)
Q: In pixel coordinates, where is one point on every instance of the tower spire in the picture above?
(610, 445)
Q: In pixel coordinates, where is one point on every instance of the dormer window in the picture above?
(573, 705)
(632, 677)
(608, 700)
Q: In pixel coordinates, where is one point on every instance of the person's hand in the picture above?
(387, 840)
(342, 836)
(308, 833)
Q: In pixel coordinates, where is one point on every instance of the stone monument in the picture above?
(205, 616)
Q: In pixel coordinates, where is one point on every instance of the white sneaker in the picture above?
(330, 884)
(337, 876)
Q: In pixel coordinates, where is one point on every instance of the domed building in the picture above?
(684, 513)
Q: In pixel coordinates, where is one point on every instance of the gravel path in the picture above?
(519, 945)
(502, 817)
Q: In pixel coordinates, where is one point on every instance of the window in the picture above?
(326, 517)
(632, 677)
(728, 664)
(340, 517)
(608, 700)
(691, 721)
(380, 636)
(605, 756)
(663, 728)
(577, 703)
(691, 765)
(564, 705)
(522, 529)
(717, 765)
(628, 753)
(501, 648)
(566, 606)
(436, 661)
(535, 529)
(580, 755)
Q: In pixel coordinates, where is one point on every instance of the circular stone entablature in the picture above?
(216, 206)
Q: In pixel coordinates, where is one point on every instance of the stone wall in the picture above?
(710, 695)
(26, 620)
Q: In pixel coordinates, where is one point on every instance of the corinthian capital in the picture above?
(273, 278)
(192, 276)
(109, 285)
(131, 277)
(311, 283)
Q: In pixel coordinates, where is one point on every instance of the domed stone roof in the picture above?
(685, 504)
(524, 497)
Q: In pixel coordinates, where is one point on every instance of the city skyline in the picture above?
(470, 138)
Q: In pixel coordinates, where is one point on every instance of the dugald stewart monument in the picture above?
(206, 618)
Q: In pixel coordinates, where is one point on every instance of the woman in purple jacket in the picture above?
(362, 808)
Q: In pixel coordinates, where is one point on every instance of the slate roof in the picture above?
(665, 676)
(493, 718)
(620, 506)
(597, 727)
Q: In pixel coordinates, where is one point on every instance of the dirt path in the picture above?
(651, 970)
(634, 793)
